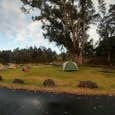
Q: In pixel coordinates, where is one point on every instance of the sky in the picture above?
(18, 29)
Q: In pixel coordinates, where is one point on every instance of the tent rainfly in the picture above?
(70, 66)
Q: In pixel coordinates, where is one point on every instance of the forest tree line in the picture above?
(93, 55)
(28, 55)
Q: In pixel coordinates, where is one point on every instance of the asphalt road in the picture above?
(19, 102)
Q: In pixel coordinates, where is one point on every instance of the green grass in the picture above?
(65, 81)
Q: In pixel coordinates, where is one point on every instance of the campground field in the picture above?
(66, 82)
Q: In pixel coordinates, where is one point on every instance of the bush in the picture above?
(19, 81)
(87, 84)
(1, 78)
(49, 83)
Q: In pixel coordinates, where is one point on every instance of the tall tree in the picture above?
(65, 22)
(107, 33)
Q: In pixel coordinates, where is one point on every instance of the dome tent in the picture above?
(70, 66)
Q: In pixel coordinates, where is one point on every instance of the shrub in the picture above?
(49, 83)
(1, 78)
(19, 81)
(87, 84)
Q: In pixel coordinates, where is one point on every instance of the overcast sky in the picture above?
(18, 30)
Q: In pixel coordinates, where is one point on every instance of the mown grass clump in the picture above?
(49, 83)
(18, 81)
(87, 84)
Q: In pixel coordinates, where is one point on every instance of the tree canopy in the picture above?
(65, 22)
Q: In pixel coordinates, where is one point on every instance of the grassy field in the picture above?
(65, 81)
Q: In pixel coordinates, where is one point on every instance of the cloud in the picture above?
(93, 33)
(32, 36)
(31, 32)
(110, 2)
(19, 27)
(11, 18)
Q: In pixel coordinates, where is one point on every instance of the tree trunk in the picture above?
(78, 58)
(109, 57)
